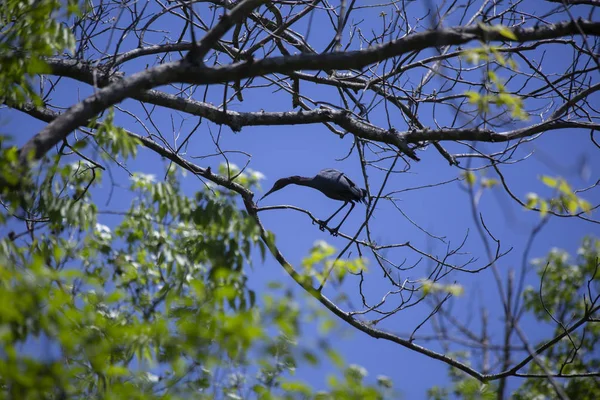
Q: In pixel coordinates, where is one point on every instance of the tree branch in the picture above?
(247, 195)
(182, 71)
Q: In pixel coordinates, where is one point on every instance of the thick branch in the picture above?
(181, 71)
(359, 59)
(84, 111)
(486, 135)
(236, 120)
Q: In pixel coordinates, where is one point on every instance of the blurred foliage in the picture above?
(429, 286)
(113, 139)
(156, 305)
(246, 177)
(497, 92)
(564, 200)
(321, 264)
(463, 386)
(30, 31)
(471, 180)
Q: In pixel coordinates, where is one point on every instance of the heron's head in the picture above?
(280, 184)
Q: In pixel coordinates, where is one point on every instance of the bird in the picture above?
(333, 184)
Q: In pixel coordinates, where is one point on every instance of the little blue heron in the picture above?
(333, 184)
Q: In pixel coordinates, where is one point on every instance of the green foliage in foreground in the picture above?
(158, 306)
(29, 32)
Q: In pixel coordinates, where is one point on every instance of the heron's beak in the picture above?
(280, 184)
(273, 189)
(266, 194)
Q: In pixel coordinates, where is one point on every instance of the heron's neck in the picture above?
(302, 181)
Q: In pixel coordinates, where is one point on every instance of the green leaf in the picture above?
(506, 32)
(572, 206)
(297, 387)
(543, 208)
(474, 97)
(565, 188)
(549, 181)
(489, 182)
(426, 287)
(586, 207)
(429, 286)
(455, 289)
(335, 357)
(469, 177)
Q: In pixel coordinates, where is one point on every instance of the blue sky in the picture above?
(442, 210)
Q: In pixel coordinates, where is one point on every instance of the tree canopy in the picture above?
(134, 250)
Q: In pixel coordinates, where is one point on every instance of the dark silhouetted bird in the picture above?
(333, 184)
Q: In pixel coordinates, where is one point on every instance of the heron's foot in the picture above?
(322, 225)
(334, 231)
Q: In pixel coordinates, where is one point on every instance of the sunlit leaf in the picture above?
(585, 206)
(506, 32)
(543, 205)
(469, 177)
(549, 181)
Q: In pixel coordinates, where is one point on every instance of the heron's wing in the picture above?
(330, 172)
(352, 184)
(337, 176)
(332, 175)
(360, 193)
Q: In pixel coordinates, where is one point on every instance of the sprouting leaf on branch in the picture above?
(489, 183)
(469, 177)
(429, 286)
(565, 200)
(322, 254)
(498, 94)
(505, 31)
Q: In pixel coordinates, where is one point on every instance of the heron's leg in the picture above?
(335, 230)
(323, 224)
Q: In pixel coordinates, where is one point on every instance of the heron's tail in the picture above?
(364, 196)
